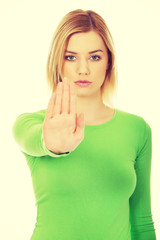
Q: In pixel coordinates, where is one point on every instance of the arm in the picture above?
(27, 132)
(142, 226)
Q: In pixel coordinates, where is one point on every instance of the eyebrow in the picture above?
(99, 50)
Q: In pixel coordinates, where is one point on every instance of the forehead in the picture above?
(87, 41)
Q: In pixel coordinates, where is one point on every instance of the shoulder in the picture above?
(33, 117)
(134, 127)
(133, 120)
(37, 114)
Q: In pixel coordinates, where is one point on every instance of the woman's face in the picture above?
(80, 64)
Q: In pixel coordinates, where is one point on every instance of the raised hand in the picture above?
(62, 129)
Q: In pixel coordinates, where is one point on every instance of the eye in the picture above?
(69, 56)
(96, 57)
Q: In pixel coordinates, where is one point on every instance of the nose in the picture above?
(82, 68)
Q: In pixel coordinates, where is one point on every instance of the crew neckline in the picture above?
(105, 123)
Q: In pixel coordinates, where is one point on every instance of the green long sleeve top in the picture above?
(99, 191)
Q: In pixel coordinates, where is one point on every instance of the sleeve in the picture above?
(142, 225)
(28, 134)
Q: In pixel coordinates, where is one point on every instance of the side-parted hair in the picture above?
(78, 21)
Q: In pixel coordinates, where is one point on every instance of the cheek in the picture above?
(96, 68)
(67, 68)
(99, 69)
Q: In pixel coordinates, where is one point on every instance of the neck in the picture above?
(92, 106)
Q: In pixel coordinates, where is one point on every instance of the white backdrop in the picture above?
(26, 30)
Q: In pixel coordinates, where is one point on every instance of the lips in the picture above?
(82, 81)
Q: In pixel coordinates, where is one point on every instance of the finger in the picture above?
(73, 100)
(49, 111)
(65, 101)
(65, 79)
(58, 101)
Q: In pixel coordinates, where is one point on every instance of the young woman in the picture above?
(90, 163)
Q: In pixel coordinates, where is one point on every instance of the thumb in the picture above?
(80, 120)
(80, 123)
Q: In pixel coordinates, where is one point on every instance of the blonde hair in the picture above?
(78, 21)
